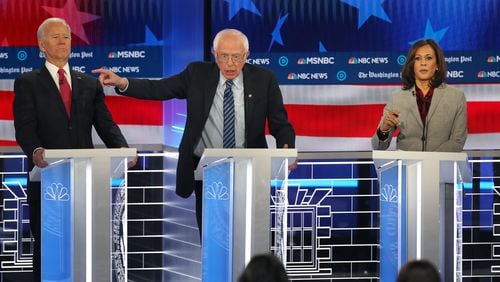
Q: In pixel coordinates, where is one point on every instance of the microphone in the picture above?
(423, 138)
(413, 93)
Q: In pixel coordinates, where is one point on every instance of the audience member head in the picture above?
(418, 271)
(264, 268)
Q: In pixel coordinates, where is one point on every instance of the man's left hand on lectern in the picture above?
(38, 157)
(132, 162)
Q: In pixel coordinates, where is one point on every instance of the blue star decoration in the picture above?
(367, 9)
(322, 47)
(431, 34)
(149, 39)
(277, 32)
(236, 5)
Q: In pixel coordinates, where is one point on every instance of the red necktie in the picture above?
(65, 91)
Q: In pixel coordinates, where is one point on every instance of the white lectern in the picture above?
(421, 210)
(236, 216)
(82, 231)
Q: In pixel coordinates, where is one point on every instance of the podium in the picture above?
(236, 216)
(82, 210)
(421, 210)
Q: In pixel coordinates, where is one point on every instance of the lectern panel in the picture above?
(57, 243)
(392, 219)
(217, 221)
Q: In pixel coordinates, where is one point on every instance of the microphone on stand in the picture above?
(424, 129)
(424, 138)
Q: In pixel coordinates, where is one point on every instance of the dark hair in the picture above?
(408, 72)
(264, 268)
(419, 270)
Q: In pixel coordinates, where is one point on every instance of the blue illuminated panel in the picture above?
(57, 223)
(217, 222)
(392, 223)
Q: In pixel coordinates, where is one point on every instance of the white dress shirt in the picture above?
(212, 134)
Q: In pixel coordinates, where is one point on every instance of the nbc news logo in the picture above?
(308, 76)
(353, 61)
(493, 59)
(368, 60)
(488, 74)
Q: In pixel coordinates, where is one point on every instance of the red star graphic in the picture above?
(73, 17)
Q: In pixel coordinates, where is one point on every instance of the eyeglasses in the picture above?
(237, 58)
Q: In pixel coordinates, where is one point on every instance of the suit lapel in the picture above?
(76, 80)
(436, 98)
(48, 83)
(208, 99)
(414, 106)
(248, 94)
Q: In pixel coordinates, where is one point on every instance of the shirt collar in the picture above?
(237, 81)
(420, 93)
(53, 68)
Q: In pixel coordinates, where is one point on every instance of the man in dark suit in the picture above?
(256, 95)
(45, 118)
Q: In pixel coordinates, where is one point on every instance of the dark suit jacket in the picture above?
(40, 119)
(197, 84)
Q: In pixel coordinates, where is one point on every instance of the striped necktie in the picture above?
(229, 140)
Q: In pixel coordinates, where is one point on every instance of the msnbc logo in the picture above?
(316, 61)
(127, 54)
(301, 61)
(494, 59)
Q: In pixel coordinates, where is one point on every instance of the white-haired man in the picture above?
(253, 91)
(56, 108)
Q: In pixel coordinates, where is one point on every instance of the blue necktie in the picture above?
(229, 140)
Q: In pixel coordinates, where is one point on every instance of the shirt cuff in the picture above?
(120, 90)
(36, 149)
(382, 135)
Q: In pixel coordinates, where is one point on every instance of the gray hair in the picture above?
(40, 33)
(235, 32)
